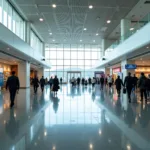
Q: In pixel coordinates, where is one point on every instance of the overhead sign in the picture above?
(130, 66)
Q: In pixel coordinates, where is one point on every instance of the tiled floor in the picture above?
(77, 119)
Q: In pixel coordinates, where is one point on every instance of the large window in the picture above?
(75, 58)
(35, 42)
(11, 19)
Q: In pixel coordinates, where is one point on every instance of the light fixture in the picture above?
(108, 21)
(53, 40)
(94, 41)
(41, 19)
(85, 29)
(90, 6)
(45, 133)
(50, 33)
(97, 34)
(131, 29)
(54, 5)
(91, 146)
(80, 40)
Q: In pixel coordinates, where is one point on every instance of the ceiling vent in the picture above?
(147, 2)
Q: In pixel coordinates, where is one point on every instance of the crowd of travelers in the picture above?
(131, 83)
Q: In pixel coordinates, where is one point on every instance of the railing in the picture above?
(141, 23)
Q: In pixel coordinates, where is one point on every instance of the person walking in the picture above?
(135, 81)
(78, 81)
(90, 81)
(93, 82)
(83, 80)
(61, 80)
(148, 86)
(42, 83)
(35, 83)
(55, 85)
(102, 82)
(51, 82)
(128, 83)
(73, 81)
(142, 86)
(110, 81)
(13, 84)
(118, 84)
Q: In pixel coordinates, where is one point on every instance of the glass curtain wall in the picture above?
(71, 59)
(35, 42)
(11, 19)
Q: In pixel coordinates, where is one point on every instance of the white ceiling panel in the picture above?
(69, 18)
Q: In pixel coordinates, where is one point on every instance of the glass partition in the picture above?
(11, 19)
(135, 28)
(71, 57)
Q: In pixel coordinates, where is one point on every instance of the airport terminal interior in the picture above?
(76, 50)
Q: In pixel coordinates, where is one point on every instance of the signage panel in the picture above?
(130, 66)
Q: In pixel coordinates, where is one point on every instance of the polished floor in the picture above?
(77, 119)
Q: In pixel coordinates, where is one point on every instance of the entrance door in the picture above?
(74, 74)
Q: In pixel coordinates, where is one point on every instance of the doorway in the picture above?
(72, 74)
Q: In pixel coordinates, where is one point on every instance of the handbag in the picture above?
(124, 91)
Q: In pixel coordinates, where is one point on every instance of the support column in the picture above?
(43, 52)
(105, 44)
(125, 27)
(125, 71)
(24, 74)
(40, 72)
(27, 33)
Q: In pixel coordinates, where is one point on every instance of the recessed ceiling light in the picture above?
(131, 29)
(85, 29)
(94, 41)
(50, 33)
(90, 6)
(53, 40)
(108, 21)
(41, 19)
(54, 5)
(80, 40)
(97, 34)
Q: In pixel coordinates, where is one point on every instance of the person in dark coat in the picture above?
(51, 82)
(55, 85)
(118, 84)
(128, 83)
(148, 86)
(61, 80)
(142, 86)
(83, 80)
(90, 81)
(42, 83)
(35, 83)
(102, 82)
(135, 81)
(13, 84)
(78, 81)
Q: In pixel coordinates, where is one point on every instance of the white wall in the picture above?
(18, 45)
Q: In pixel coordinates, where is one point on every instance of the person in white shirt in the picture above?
(110, 81)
